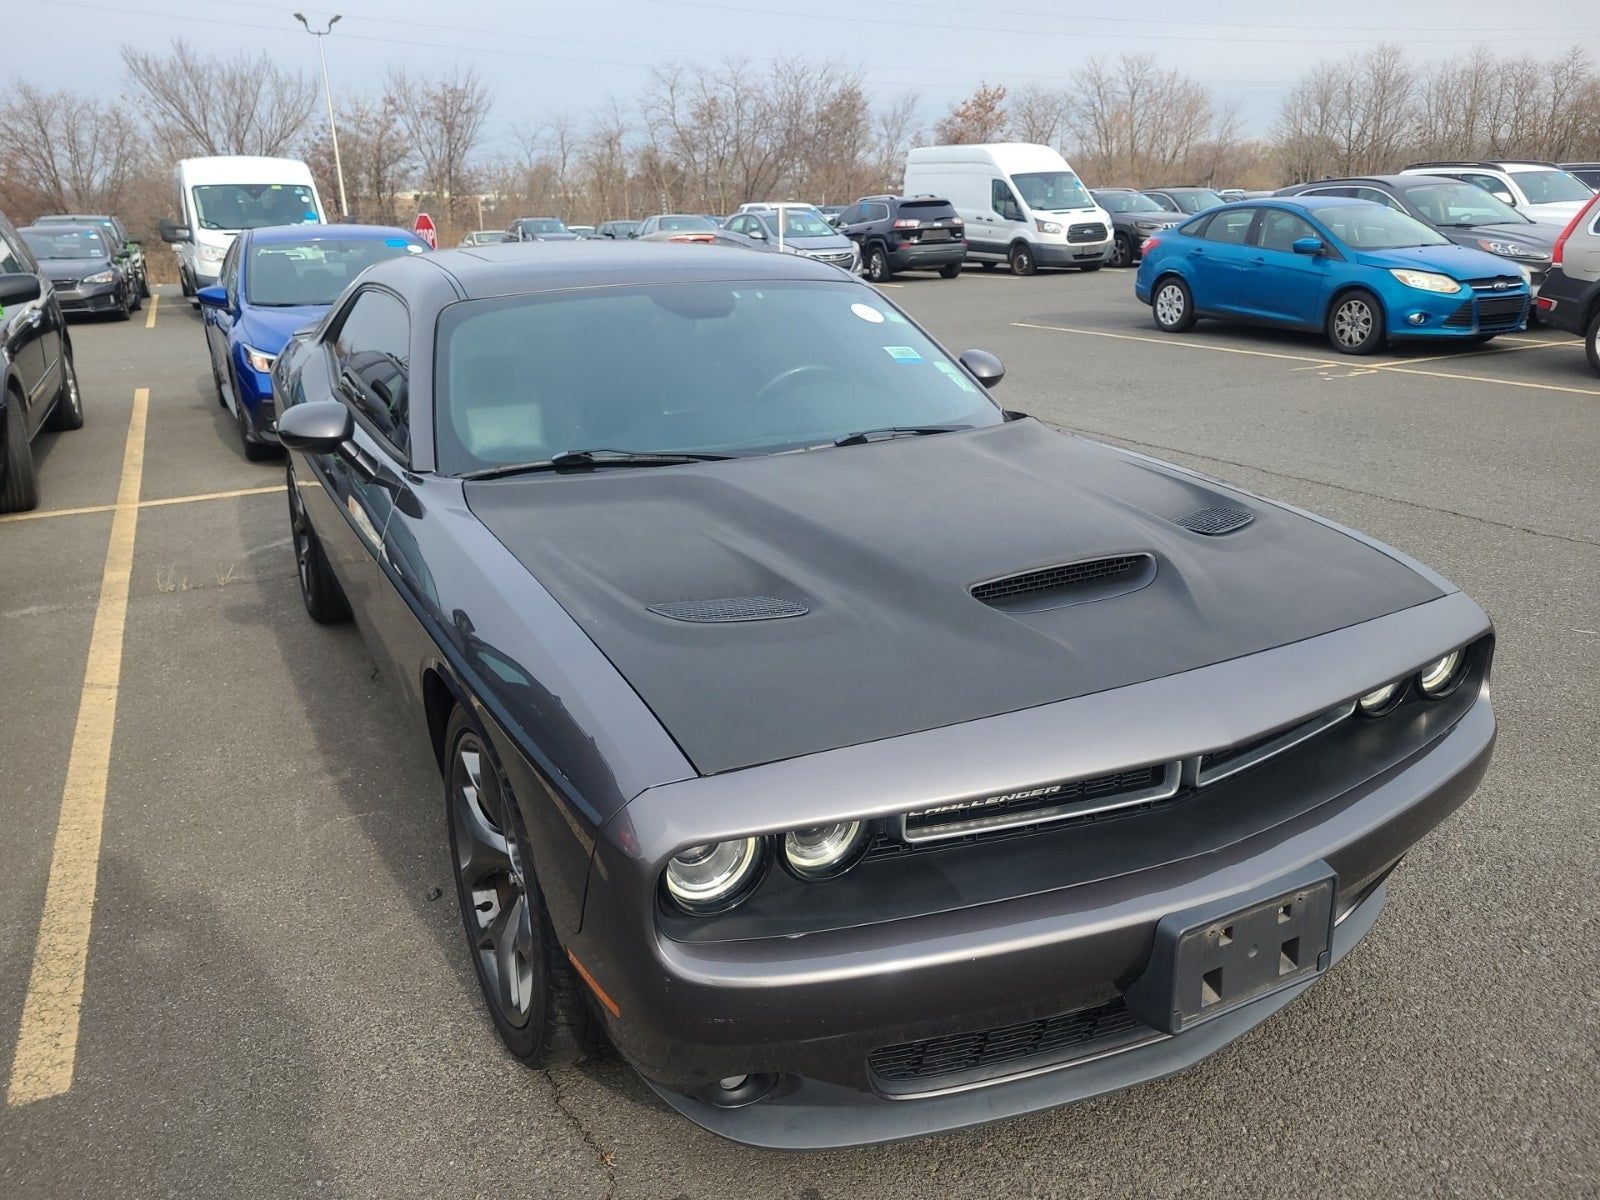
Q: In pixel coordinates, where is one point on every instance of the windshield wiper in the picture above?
(600, 456)
(889, 431)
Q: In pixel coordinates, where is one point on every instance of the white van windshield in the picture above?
(1052, 191)
(254, 205)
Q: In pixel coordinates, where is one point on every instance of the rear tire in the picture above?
(987, 265)
(1355, 323)
(319, 588)
(19, 489)
(1591, 342)
(1172, 305)
(1021, 260)
(950, 272)
(1122, 251)
(68, 412)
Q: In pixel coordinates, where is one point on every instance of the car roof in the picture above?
(63, 218)
(1177, 187)
(275, 234)
(1395, 181)
(64, 227)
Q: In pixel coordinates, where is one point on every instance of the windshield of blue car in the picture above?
(315, 271)
(1460, 205)
(254, 205)
(1127, 202)
(1366, 226)
(1196, 200)
(1052, 191)
(686, 224)
(1551, 186)
(66, 243)
(711, 367)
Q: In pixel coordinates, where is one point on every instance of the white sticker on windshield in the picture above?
(867, 313)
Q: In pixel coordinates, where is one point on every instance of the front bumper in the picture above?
(257, 404)
(1071, 254)
(91, 298)
(808, 1011)
(1456, 316)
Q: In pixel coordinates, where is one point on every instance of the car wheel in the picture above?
(135, 299)
(254, 451)
(125, 309)
(319, 588)
(1021, 260)
(878, 266)
(144, 286)
(1355, 323)
(1088, 267)
(1591, 342)
(986, 265)
(950, 272)
(1172, 305)
(216, 380)
(534, 996)
(68, 412)
(19, 490)
(1122, 252)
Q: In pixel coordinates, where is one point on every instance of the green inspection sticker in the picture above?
(905, 354)
(955, 376)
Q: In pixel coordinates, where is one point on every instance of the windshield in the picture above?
(544, 225)
(1196, 200)
(1460, 205)
(686, 223)
(1367, 226)
(801, 222)
(254, 205)
(66, 243)
(1052, 191)
(315, 271)
(1550, 186)
(711, 367)
(1127, 202)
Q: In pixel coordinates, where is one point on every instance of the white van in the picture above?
(218, 197)
(1023, 204)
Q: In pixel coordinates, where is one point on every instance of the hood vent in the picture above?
(729, 608)
(1067, 583)
(1214, 522)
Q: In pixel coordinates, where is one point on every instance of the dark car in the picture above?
(1134, 217)
(674, 223)
(132, 252)
(1462, 212)
(1185, 201)
(539, 229)
(847, 816)
(1570, 298)
(1589, 172)
(38, 386)
(616, 230)
(82, 263)
(905, 233)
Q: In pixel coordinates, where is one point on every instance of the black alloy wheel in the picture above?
(533, 993)
(319, 588)
(68, 412)
(1021, 260)
(1122, 251)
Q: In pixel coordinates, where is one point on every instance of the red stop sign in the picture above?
(423, 227)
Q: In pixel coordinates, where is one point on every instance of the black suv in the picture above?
(905, 233)
(131, 254)
(38, 388)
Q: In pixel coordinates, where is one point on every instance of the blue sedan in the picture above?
(1360, 272)
(274, 281)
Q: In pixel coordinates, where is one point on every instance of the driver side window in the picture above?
(372, 351)
(1004, 200)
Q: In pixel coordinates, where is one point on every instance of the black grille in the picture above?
(1065, 578)
(1214, 522)
(1088, 231)
(730, 608)
(992, 1051)
(1461, 318)
(1501, 312)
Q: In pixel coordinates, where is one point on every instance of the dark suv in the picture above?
(38, 388)
(905, 233)
(1570, 298)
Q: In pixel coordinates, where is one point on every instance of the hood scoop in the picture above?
(1214, 522)
(1067, 583)
(729, 608)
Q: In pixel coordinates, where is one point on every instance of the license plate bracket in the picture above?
(1211, 959)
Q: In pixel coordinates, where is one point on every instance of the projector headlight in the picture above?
(101, 277)
(1379, 700)
(1427, 281)
(1440, 677)
(714, 876)
(259, 360)
(823, 851)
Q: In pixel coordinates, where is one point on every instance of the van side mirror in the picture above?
(18, 289)
(1307, 245)
(171, 231)
(988, 369)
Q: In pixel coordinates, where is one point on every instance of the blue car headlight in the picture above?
(259, 360)
(1427, 281)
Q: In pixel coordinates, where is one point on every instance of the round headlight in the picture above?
(823, 850)
(1439, 676)
(1379, 700)
(715, 875)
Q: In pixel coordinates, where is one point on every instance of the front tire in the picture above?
(1591, 342)
(1122, 251)
(1021, 260)
(19, 489)
(878, 269)
(950, 272)
(68, 412)
(1355, 323)
(986, 265)
(1089, 267)
(319, 587)
(125, 309)
(533, 995)
(1172, 306)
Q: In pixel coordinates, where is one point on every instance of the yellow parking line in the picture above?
(47, 1041)
(100, 508)
(155, 302)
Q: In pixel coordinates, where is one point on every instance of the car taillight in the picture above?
(1150, 243)
(907, 223)
(1561, 242)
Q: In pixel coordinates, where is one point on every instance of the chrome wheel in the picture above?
(492, 880)
(1170, 304)
(1353, 323)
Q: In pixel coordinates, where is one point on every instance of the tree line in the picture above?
(705, 138)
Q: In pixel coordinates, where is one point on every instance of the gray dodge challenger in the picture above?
(857, 757)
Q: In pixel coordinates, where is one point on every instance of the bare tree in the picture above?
(981, 117)
(201, 105)
(73, 153)
(1040, 114)
(1137, 122)
(443, 119)
(377, 157)
(895, 130)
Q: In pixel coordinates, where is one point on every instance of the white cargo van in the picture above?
(218, 197)
(1022, 203)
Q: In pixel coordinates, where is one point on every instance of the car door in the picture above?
(1278, 284)
(1218, 257)
(28, 331)
(1167, 203)
(219, 322)
(1007, 223)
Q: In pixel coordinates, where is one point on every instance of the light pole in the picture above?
(333, 129)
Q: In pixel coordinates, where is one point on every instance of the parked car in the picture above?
(486, 237)
(905, 233)
(84, 270)
(1587, 172)
(617, 230)
(275, 281)
(1540, 190)
(1185, 201)
(1134, 217)
(831, 213)
(583, 231)
(1231, 194)
(1023, 205)
(1467, 215)
(803, 230)
(131, 252)
(673, 223)
(716, 237)
(847, 817)
(539, 229)
(38, 386)
(1570, 298)
(1363, 273)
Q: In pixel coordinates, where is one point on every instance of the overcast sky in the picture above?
(540, 58)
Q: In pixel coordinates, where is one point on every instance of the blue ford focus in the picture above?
(274, 281)
(1360, 272)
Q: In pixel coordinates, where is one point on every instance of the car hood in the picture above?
(818, 241)
(73, 268)
(269, 329)
(1458, 262)
(880, 544)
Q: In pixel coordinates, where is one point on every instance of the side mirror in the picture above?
(18, 289)
(1308, 245)
(171, 231)
(316, 427)
(215, 296)
(989, 369)
(758, 235)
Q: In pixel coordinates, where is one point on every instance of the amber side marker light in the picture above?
(600, 992)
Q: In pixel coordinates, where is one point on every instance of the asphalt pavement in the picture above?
(276, 999)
